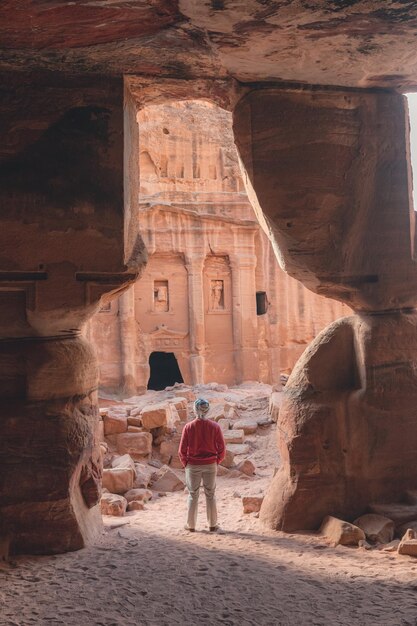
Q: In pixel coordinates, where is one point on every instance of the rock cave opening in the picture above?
(164, 371)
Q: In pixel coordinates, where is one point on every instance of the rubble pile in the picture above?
(140, 437)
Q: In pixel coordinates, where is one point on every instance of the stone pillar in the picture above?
(62, 243)
(128, 343)
(244, 316)
(331, 173)
(194, 266)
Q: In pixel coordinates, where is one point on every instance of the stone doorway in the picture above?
(165, 370)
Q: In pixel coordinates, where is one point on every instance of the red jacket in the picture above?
(202, 442)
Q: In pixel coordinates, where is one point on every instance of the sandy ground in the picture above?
(150, 571)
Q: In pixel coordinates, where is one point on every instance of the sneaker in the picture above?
(214, 529)
(191, 530)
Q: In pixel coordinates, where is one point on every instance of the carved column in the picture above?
(61, 197)
(331, 173)
(244, 316)
(194, 266)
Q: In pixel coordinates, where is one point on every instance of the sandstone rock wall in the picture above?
(208, 258)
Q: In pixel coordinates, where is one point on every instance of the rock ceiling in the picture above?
(355, 43)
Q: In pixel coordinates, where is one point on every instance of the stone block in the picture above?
(142, 495)
(114, 424)
(125, 461)
(408, 544)
(118, 480)
(143, 475)
(252, 504)
(138, 445)
(216, 412)
(134, 420)
(169, 453)
(234, 436)
(338, 531)
(228, 459)
(238, 448)
(248, 426)
(167, 480)
(377, 528)
(222, 470)
(181, 405)
(112, 504)
(135, 505)
(156, 415)
(134, 429)
(185, 393)
(224, 423)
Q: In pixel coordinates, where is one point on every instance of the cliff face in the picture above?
(212, 293)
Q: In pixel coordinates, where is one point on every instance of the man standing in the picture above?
(202, 448)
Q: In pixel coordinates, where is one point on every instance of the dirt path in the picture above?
(152, 572)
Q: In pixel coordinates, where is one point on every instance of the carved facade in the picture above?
(212, 303)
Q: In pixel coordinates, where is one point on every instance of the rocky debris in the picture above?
(408, 544)
(377, 528)
(224, 423)
(246, 467)
(217, 412)
(156, 415)
(185, 393)
(248, 426)
(166, 480)
(238, 448)
(115, 423)
(234, 436)
(180, 404)
(252, 504)
(338, 531)
(112, 504)
(362, 543)
(392, 546)
(222, 470)
(138, 445)
(141, 495)
(118, 480)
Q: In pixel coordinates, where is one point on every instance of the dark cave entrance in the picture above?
(164, 370)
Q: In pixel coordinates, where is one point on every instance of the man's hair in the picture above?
(201, 407)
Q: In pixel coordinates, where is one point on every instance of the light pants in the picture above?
(193, 476)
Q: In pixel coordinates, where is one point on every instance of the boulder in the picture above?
(338, 531)
(408, 544)
(377, 528)
(143, 476)
(166, 480)
(135, 505)
(246, 467)
(401, 530)
(248, 426)
(234, 436)
(224, 423)
(238, 448)
(114, 424)
(142, 495)
(134, 420)
(275, 401)
(138, 445)
(252, 504)
(216, 412)
(222, 471)
(112, 504)
(156, 415)
(118, 480)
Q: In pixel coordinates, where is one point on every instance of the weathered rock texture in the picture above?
(335, 192)
(62, 250)
(208, 258)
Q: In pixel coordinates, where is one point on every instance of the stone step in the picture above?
(399, 513)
